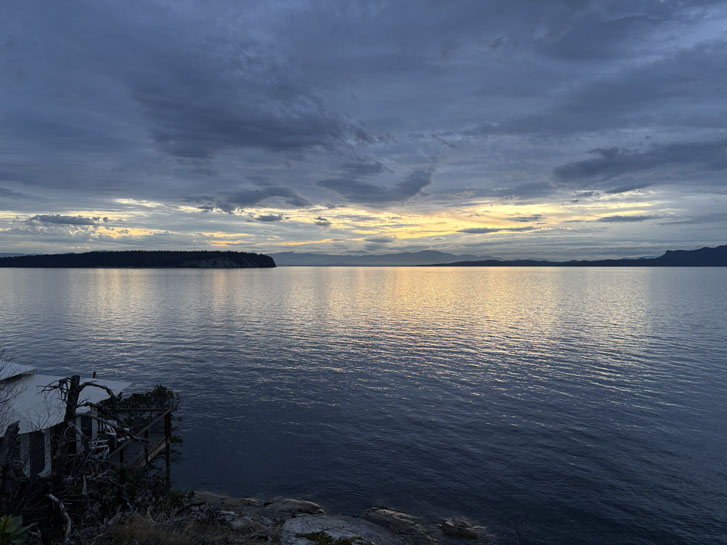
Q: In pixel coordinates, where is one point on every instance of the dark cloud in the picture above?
(381, 240)
(363, 168)
(720, 217)
(102, 104)
(625, 219)
(604, 163)
(607, 163)
(67, 220)
(486, 230)
(363, 192)
(186, 123)
(634, 186)
(527, 219)
(208, 97)
(10, 194)
(270, 217)
(245, 197)
(650, 93)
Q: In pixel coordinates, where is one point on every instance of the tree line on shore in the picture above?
(143, 259)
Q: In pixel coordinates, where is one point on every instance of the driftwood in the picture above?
(63, 511)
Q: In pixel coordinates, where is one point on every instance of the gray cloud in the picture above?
(532, 190)
(10, 194)
(527, 219)
(486, 230)
(381, 240)
(270, 217)
(646, 93)
(67, 220)
(607, 163)
(626, 188)
(299, 102)
(363, 168)
(186, 123)
(236, 95)
(720, 217)
(249, 197)
(363, 192)
(625, 219)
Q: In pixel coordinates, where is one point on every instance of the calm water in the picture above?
(589, 403)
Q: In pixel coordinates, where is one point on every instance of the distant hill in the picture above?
(9, 255)
(143, 259)
(425, 257)
(704, 257)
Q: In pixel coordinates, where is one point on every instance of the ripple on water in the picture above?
(587, 402)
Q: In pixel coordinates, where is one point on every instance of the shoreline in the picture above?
(291, 521)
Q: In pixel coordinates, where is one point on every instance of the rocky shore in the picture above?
(210, 518)
(300, 522)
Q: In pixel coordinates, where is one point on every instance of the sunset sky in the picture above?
(551, 129)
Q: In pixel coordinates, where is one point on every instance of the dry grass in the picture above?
(141, 531)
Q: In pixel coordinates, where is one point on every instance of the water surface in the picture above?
(588, 403)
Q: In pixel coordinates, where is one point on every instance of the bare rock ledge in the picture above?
(291, 521)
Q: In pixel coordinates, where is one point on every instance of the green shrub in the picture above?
(12, 531)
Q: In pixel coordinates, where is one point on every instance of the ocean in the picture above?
(584, 405)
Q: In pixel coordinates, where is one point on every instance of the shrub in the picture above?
(12, 531)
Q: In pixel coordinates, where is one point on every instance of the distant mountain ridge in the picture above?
(402, 259)
(143, 259)
(703, 257)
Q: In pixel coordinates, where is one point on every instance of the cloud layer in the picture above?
(264, 125)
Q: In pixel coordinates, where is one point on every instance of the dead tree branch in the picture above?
(62, 508)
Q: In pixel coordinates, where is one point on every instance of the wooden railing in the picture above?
(144, 445)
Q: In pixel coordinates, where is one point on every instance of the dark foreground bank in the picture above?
(202, 518)
(144, 259)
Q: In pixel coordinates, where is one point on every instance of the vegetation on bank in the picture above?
(143, 259)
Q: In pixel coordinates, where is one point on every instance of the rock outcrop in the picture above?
(335, 530)
(291, 521)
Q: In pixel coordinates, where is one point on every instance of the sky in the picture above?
(559, 129)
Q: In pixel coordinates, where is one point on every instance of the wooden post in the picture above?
(8, 445)
(74, 390)
(8, 461)
(168, 449)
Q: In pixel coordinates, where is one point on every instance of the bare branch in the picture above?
(97, 385)
(62, 508)
(122, 427)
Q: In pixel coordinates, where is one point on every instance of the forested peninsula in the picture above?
(144, 259)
